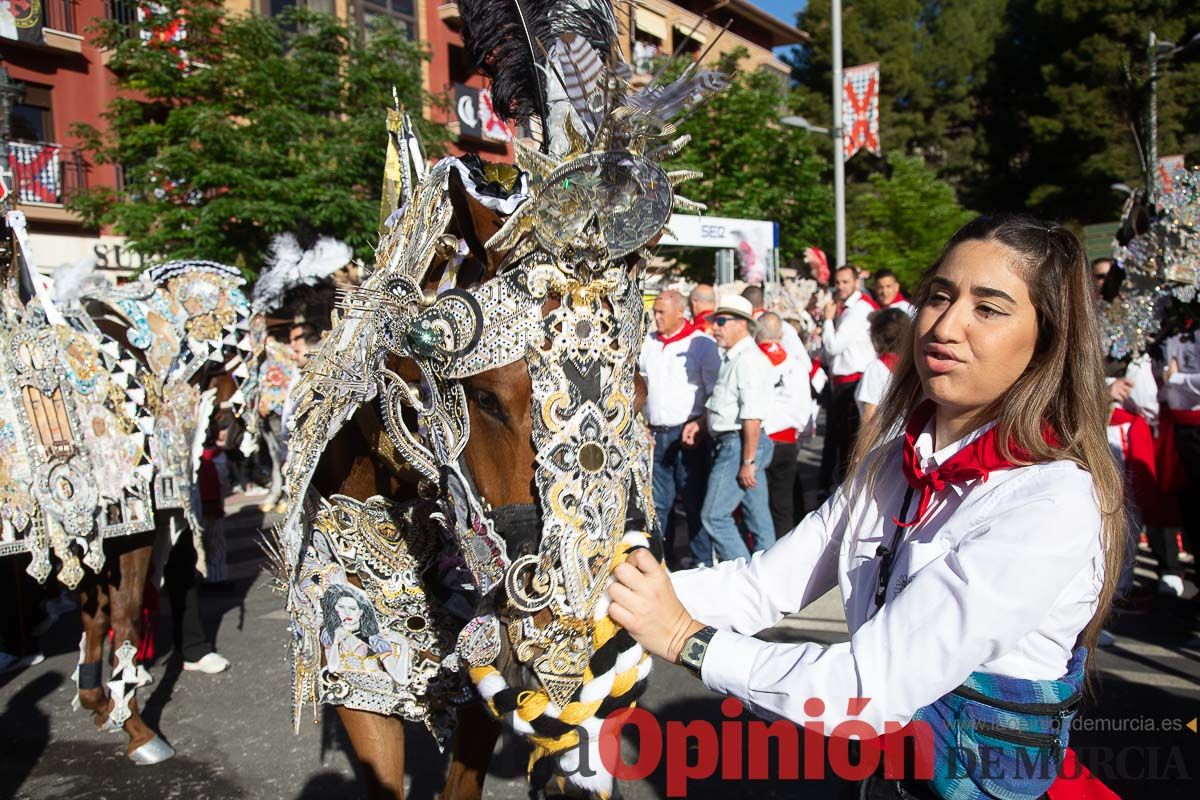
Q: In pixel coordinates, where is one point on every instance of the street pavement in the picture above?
(234, 738)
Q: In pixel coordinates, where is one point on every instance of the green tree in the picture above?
(270, 125)
(934, 55)
(901, 221)
(1066, 92)
(753, 167)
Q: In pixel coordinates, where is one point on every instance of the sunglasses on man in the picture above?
(720, 321)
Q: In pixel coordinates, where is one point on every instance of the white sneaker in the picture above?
(1170, 586)
(210, 664)
(11, 663)
(1105, 639)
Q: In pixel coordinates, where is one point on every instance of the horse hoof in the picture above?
(154, 751)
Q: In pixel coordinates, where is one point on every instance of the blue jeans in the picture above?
(679, 472)
(725, 494)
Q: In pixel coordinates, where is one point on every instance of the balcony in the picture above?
(44, 175)
(124, 12)
(449, 13)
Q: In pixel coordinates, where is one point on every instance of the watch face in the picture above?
(693, 651)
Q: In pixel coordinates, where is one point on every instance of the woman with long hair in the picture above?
(976, 553)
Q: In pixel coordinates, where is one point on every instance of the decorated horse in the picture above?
(466, 463)
(102, 408)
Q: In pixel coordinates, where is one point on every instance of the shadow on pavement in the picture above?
(26, 731)
(330, 784)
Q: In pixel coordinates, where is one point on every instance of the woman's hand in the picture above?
(644, 603)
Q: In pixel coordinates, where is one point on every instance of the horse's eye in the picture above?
(488, 403)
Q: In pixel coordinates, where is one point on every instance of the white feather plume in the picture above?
(70, 280)
(289, 266)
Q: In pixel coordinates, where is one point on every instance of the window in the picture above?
(31, 120)
(401, 11)
(275, 7)
(461, 68)
(645, 51)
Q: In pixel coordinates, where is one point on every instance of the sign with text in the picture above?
(751, 239)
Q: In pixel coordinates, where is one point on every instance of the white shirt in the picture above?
(743, 389)
(903, 305)
(1001, 577)
(679, 377)
(874, 384)
(1182, 392)
(847, 338)
(791, 406)
(793, 344)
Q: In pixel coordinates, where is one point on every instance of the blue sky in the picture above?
(786, 10)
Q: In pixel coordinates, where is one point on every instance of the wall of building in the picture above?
(71, 73)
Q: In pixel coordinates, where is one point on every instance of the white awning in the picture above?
(686, 32)
(651, 23)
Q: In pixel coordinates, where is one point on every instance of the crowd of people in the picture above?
(733, 393)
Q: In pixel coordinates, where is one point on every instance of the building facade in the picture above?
(51, 77)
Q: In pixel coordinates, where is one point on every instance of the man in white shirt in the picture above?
(887, 291)
(739, 403)
(846, 339)
(679, 364)
(786, 419)
(791, 340)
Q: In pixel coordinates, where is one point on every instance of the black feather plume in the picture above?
(507, 39)
(498, 42)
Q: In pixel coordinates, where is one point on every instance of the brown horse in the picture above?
(112, 600)
(358, 463)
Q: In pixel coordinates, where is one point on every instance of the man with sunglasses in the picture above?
(735, 412)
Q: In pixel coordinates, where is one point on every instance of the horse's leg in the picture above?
(125, 602)
(474, 741)
(89, 677)
(378, 742)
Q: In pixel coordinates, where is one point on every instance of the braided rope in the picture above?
(613, 679)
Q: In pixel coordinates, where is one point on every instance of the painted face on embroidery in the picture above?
(976, 332)
(349, 613)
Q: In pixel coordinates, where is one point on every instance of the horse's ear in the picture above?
(476, 223)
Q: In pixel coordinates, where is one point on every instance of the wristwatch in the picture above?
(748, 462)
(694, 648)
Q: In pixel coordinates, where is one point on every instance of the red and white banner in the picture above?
(860, 108)
(37, 176)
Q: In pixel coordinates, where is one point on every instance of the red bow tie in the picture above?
(976, 461)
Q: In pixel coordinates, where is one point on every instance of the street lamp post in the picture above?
(839, 145)
(1157, 51)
